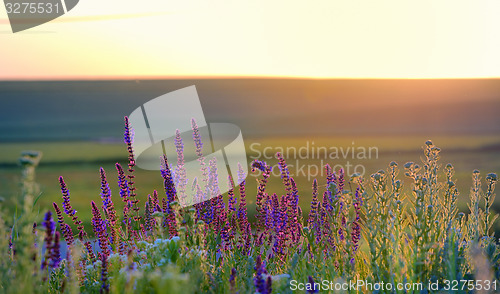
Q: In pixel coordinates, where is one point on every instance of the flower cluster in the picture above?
(214, 240)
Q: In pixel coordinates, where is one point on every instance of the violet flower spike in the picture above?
(55, 252)
(261, 281)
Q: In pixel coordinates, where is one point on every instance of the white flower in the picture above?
(280, 277)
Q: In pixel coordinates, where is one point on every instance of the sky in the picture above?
(259, 38)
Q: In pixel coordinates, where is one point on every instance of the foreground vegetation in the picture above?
(363, 231)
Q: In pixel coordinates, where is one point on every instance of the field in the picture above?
(372, 241)
(388, 213)
(79, 163)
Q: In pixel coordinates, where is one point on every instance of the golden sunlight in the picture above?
(320, 39)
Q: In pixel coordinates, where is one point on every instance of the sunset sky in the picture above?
(314, 39)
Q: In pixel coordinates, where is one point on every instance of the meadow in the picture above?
(409, 223)
(395, 229)
(80, 161)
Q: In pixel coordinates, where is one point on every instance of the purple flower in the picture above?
(108, 206)
(296, 226)
(231, 204)
(325, 225)
(122, 183)
(100, 229)
(168, 218)
(262, 281)
(60, 219)
(242, 210)
(168, 182)
(311, 221)
(104, 273)
(55, 252)
(156, 203)
(329, 174)
(340, 181)
(149, 221)
(285, 174)
(70, 211)
(268, 210)
(49, 225)
(221, 213)
(128, 139)
(261, 190)
(105, 191)
(247, 236)
(171, 193)
(356, 228)
(313, 287)
(66, 201)
(68, 235)
(232, 280)
(212, 212)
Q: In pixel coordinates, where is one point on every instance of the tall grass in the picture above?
(362, 231)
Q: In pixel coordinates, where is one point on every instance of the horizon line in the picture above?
(224, 77)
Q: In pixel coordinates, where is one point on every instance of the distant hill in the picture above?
(94, 110)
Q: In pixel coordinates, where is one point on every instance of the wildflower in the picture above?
(356, 228)
(212, 213)
(247, 237)
(168, 221)
(171, 194)
(168, 182)
(66, 201)
(285, 174)
(231, 204)
(242, 210)
(65, 228)
(221, 213)
(104, 273)
(105, 191)
(180, 170)
(262, 280)
(82, 235)
(199, 152)
(296, 225)
(108, 206)
(148, 212)
(60, 219)
(68, 235)
(35, 233)
(232, 280)
(266, 169)
(312, 221)
(340, 181)
(324, 224)
(128, 139)
(155, 201)
(55, 253)
(312, 289)
(49, 225)
(122, 183)
(99, 229)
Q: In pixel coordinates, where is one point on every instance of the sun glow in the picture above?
(320, 39)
